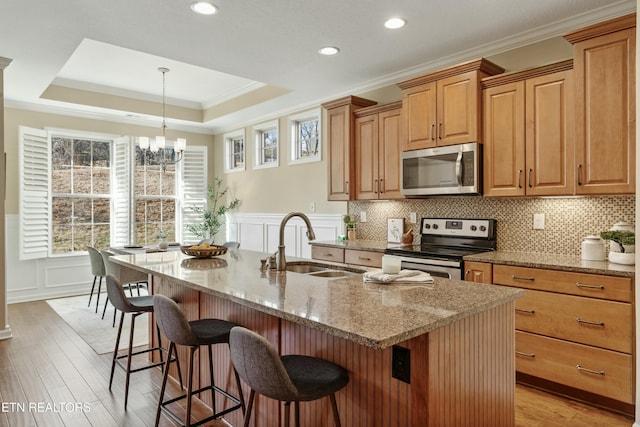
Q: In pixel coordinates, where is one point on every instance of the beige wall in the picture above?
(17, 117)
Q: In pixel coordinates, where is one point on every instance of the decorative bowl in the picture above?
(209, 252)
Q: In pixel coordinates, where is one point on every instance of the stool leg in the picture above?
(104, 310)
(240, 393)
(287, 413)
(192, 351)
(296, 413)
(247, 415)
(213, 387)
(98, 294)
(334, 406)
(165, 376)
(128, 375)
(115, 351)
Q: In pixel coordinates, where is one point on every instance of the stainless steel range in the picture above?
(443, 243)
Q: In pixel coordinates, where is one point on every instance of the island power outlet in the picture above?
(401, 364)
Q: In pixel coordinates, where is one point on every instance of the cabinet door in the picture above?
(367, 185)
(504, 140)
(339, 128)
(419, 105)
(549, 135)
(481, 272)
(458, 106)
(605, 113)
(389, 140)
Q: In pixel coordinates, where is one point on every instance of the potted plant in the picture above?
(214, 215)
(351, 227)
(621, 247)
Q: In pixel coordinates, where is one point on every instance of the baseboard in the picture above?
(6, 333)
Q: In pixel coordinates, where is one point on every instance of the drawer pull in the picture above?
(522, 310)
(519, 353)
(329, 254)
(364, 258)
(582, 285)
(589, 322)
(590, 371)
(514, 277)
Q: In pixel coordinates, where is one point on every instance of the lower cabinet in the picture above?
(347, 256)
(572, 329)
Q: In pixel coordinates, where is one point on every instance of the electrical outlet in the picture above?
(363, 216)
(413, 218)
(538, 221)
(401, 364)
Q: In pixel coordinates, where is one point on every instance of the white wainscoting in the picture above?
(261, 232)
(43, 278)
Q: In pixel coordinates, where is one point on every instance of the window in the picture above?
(234, 151)
(266, 143)
(305, 137)
(80, 192)
(79, 189)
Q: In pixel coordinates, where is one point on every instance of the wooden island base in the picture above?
(462, 374)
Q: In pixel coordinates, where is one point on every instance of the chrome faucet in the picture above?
(282, 261)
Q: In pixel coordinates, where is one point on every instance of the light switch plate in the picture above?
(413, 218)
(538, 221)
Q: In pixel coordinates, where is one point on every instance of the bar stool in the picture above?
(290, 378)
(135, 306)
(98, 271)
(126, 276)
(175, 326)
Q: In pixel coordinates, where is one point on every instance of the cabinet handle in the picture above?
(519, 353)
(590, 371)
(589, 322)
(523, 310)
(375, 186)
(580, 174)
(347, 186)
(381, 186)
(364, 258)
(519, 178)
(582, 285)
(514, 277)
(431, 132)
(466, 274)
(439, 130)
(327, 254)
(530, 171)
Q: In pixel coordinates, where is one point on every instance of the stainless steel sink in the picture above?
(322, 270)
(332, 273)
(304, 268)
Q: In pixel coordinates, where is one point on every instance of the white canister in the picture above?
(391, 264)
(593, 248)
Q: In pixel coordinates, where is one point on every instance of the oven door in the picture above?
(436, 268)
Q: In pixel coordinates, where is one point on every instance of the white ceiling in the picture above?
(115, 47)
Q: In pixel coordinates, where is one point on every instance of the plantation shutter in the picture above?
(121, 192)
(34, 208)
(193, 189)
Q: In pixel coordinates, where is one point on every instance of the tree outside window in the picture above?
(266, 145)
(305, 137)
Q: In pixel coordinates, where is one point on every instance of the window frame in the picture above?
(258, 131)
(229, 139)
(294, 148)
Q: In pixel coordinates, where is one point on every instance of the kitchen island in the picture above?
(458, 336)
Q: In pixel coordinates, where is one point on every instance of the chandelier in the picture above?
(159, 143)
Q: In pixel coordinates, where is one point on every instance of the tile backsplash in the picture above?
(567, 220)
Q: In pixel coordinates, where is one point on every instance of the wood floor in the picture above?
(48, 366)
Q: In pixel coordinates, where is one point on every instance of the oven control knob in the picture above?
(427, 226)
(473, 228)
(435, 226)
(483, 228)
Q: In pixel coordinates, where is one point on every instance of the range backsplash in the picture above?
(567, 220)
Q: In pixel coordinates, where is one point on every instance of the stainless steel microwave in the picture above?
(438, 171)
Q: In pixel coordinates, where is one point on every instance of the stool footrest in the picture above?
(147, 366)
(234, 399)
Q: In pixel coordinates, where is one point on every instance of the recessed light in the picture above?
(329, 50)
(204, 7)
(395, 23)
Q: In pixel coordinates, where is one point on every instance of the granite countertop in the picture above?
(365, 245)
(553, 262)
(373, 315)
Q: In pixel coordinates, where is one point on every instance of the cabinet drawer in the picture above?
(602, 323)
(587, 285)
(327, 254)
(603, 372)
(366, 258)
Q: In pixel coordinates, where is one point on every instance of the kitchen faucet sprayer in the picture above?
(282, 262)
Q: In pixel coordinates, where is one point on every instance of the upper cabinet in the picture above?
(528, 132)
(444, 107)
(604, 61)
(377, 152)
(340, 139)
